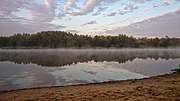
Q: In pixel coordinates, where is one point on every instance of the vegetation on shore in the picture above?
(58, 39)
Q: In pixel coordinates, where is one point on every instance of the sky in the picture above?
(139, 18)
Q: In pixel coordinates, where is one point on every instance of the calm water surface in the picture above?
(20, 68)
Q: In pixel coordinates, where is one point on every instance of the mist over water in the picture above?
(62, 57)
(21, 68)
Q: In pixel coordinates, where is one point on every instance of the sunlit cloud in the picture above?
(68, 4)
(88, 7)
(47, 3)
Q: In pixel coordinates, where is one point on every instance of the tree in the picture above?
(58, 39)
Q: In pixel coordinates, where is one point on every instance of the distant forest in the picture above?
(60, 39)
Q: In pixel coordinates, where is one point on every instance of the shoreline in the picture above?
(161, 87)
(86, 84)
(15, 47)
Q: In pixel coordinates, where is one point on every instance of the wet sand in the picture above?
(158, 88)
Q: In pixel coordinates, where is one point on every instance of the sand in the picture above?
(158, 88)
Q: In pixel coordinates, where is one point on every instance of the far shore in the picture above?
(89, 48)
(163, 87)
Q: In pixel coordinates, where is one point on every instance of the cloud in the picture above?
(88, 7)
(113, 13)
(164, 3)
(157, 5)
(68, 4)
(38, 11)
(36, 15)
(24, 12)
(91, 4)
(17, 27)
(146, 9)
(56, 27)
(161, 25)
(126, 9)
(26, 16)
(6, 7)
(140, 1)
(100, 9)
(129, 8)
(89, 23)
(167, 2)
(72, 31)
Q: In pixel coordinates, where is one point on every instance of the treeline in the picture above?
(58, 39)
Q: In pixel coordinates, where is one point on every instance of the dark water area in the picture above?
(28, 68)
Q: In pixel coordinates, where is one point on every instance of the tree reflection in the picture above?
(62, 57)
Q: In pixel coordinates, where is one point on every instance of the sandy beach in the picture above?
(158, 88)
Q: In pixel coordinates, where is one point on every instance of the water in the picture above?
(20, 68)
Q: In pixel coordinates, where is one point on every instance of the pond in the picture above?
(29, 68)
